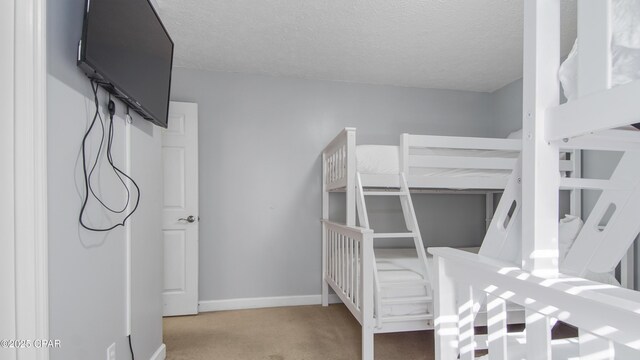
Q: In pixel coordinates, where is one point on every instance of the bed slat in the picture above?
(461, 162)
(461, 142)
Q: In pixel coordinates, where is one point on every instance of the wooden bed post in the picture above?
(325, 216)
(540, 167)
(575, 200)
(367, 297)
(351, 177)
(594, 42)
(594, 57)
(446, 312)
(594, 64)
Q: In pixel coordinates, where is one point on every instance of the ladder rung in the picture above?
(405, 283)
(407, 300)
(394, 235)
(420, 317)
(385, 193)
(593, 184)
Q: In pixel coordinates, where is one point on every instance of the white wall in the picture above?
(87, 271)
(260, 141)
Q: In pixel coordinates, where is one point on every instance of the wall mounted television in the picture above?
(126, 49)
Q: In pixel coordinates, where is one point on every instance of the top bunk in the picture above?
(429, 162)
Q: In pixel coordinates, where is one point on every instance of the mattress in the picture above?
(384, 159)
(398, 265)
(403, 264)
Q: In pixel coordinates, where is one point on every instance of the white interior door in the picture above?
(180, 210)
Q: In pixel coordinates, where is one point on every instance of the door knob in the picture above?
(189, 219)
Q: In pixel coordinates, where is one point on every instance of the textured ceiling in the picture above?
(447, 44)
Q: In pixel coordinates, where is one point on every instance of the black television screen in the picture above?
(126, 49)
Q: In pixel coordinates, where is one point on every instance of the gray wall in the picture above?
(507, 105)
(260, 142)
(87, 271)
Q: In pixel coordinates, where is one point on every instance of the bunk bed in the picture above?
(390, 290)
(404, 290)
(603, 93)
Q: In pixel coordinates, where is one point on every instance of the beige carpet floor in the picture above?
(292, 333)
(288, 333)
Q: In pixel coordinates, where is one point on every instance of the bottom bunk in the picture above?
(387, 289)
(391, 290)
(396, 265)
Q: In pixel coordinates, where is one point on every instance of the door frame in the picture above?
(24, 222)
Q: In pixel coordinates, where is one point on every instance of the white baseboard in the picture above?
(160, 354)
(263, 302)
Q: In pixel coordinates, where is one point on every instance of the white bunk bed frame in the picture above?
(339, 168)
(607, 316)
(349, 265)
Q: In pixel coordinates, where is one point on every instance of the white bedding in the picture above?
(384, 159)
(403, 264)
(568, 230)
(378, 159)
(398, 265)
(625, 50)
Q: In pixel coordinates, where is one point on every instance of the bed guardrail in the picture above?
(612, 333)
(348, 267)
(492, 155)
(339, 160)
(413, 160)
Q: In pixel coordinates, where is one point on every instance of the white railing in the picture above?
(606, 315)
(491, 156)
(602, 110)
(338, 160)
(348, 266)
(339, 172)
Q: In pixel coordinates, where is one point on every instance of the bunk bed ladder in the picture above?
(413, 231)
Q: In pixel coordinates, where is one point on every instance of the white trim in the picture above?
(30, 175)
(128, 264)
(264, 302)
(160, 354)
(7, 222)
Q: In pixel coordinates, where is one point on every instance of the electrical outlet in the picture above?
(111, 352)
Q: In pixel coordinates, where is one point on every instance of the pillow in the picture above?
(515, 135)
(378, 159)
(625, 50)
(568, 231)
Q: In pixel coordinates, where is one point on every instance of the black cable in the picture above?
(96, 162)
(131, 348)
(119, 173)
